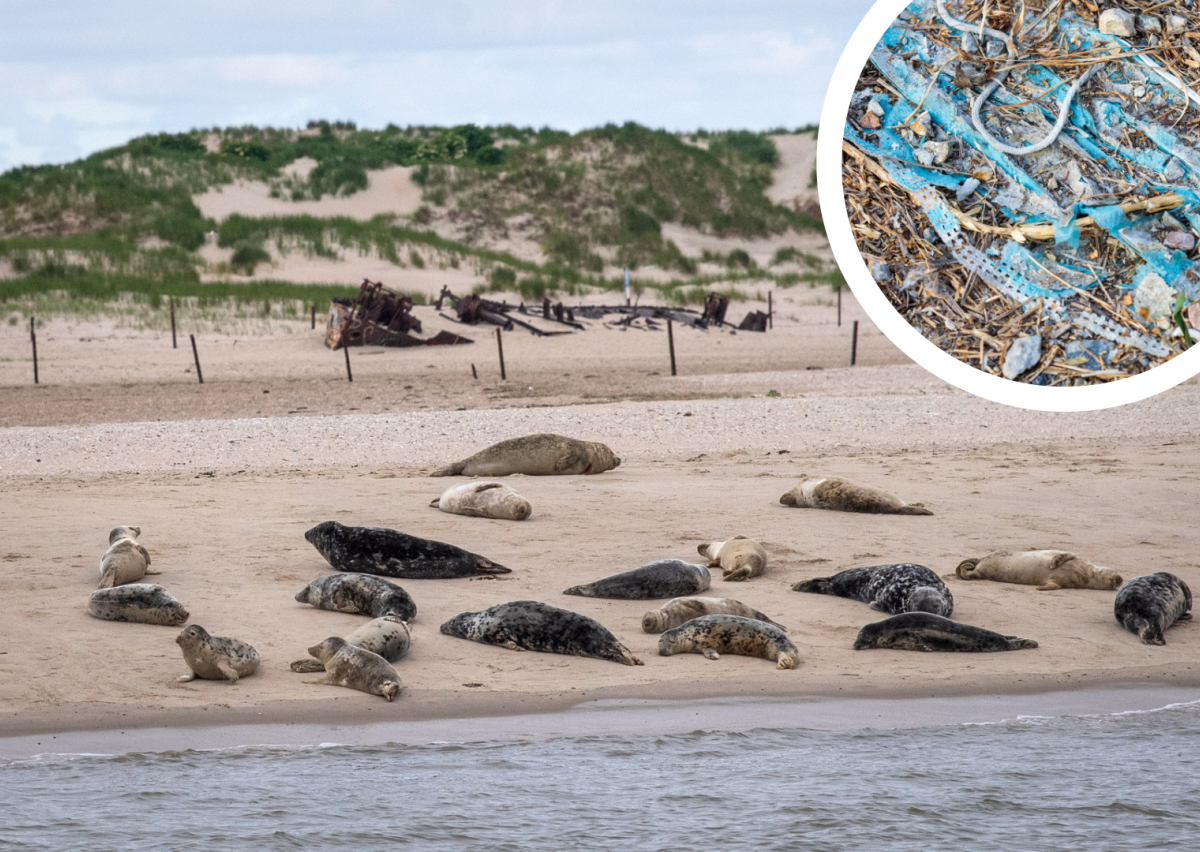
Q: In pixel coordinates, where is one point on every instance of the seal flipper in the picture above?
(1187, 616)
(308, 666)
(487, 566)
(710, 654)
(966, 568)
(455, 469)
(913, 509)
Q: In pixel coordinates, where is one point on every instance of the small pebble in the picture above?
(1149, 23)
(1021, 355)
(1117, 22)
(994, 48)
(1174, 169)
(1153, 299)
(969, 44)
(1181, 240)
(1176, 24)
(880, 271)
(964, 192)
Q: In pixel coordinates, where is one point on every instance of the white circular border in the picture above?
(897, 329)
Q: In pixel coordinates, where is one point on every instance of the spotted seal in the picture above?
(1148, 605)
(665, 578)
(535, 455)
(676, 612)
(215, 657)
(1046, 569)
(904, 587)
(832, 492)
(534, 626)
(388, 553)
(740, 558)
(387, 636)
(924, 631)
(355, 668)
(484, 500)
(143, 603)
(713, 635)
(124, 562)
(359, 594)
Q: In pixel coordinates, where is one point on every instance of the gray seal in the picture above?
(676, 612)
(124, 562)
(484, 500)
(713, 635)
(1150, 604)
(355, 668)
(740, 558)
(534, 626)
(359, 594)
(143, 603)
(387, 636)
(215, 657)
(893, 589)
(388, 553)
(123, 532)
(1046, 569)
(840, 495)
(535, 455)
(665, 578)
(924, 631)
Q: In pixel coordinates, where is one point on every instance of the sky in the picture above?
(79, 77)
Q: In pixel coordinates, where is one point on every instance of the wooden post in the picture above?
(474, 374)
(770, 311)
(314, 316)
(346, 352)
(500, 348)
(854, 345)
(671, 344)
(174, 341)
(196, 355)
(839, 292)
(33, 341)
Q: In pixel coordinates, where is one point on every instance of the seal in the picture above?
(359, 594)
(676, 612)
(484, 500)
(534, 626)
(215, 657)
(1148, 605)
(665, 578)
(924, 631)
(143, 603)
(387, 636)
(1046, 569)
(124, 532)
(355, 668)
(124, 562)
(535, 455)
(713, 635)
(904, 587)
(388, 553)
(740, 558)
(832, 492)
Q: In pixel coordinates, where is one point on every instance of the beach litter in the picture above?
(378, 316)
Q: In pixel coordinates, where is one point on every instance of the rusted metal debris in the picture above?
(378, 316)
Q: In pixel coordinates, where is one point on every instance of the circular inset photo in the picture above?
(1021, 186)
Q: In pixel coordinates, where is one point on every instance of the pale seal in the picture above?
(676, 612)
(387, 636)
(124, 562)
(535, 455)
(124, 532)
(713, 635)
(215, 657)
(1046, 569)
(359, 594)
(832, 492)
(888, 588)
(143, 603)
(665, 578)
(924, 631)
(355, 668)
(1150, 604)
(388, 553)
(534, 626)
(740, 558)
(484, 500)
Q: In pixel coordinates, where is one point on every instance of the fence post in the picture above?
(196, 355)
(346, 351)
(314, 315)
(671, 344)
(839, 292)
(500, 349)
(854, 345)
(174, 341)
(770, 311)
(33, 342)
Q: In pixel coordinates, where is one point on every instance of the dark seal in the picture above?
(1150, 604)
(888, 588)
(534, 626)
(388, 553)
(924, 631)
(666, 578)
(359, 594)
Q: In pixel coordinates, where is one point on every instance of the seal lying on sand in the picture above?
(713, 635)
(535, 455)
(215, 657)
(144, 603)
(360, 594)
(676, 612)
(1046, 569)
(125, 561)
(924, 631)
(665, 578)
(888, 588)
(534, 626)
(356, 668)
(484, 500)
(832, 492)
(388, 553)
(740, 558)
(387, 636)
(1150, 604)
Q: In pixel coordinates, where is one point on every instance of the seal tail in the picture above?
(966, 568)
(1016, 643)
(585, 591)
(434, 503)
(624, 655)
(487, 566)
(455, 469)
(913, 509)
(788, 499)
(819, 586)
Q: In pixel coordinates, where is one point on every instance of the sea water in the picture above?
(1122, 781)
